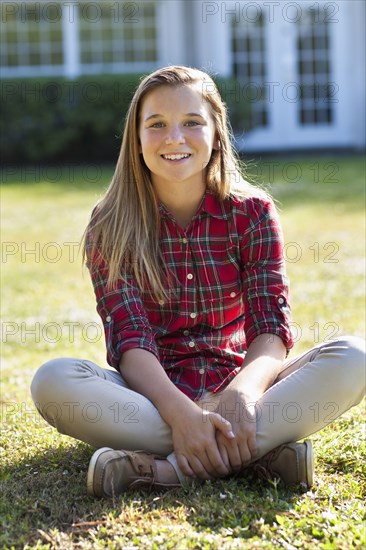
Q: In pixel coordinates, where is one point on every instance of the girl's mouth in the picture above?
(176, 156)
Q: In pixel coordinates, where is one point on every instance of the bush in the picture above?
(63, 120)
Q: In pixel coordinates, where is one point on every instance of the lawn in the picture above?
(48, 310)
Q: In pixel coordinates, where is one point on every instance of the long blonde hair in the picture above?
(125, 226)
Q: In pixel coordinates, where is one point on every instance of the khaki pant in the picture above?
(96, 406)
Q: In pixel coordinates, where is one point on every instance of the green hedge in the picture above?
(58, 120)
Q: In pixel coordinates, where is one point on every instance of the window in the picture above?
(314, 69)
(31, 35)
(248, 47)
(118, 33)
(46, 38)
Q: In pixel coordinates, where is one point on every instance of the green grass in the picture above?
(44, 502)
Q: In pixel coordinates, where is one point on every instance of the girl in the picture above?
(186, 260)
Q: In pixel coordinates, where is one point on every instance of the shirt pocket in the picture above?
(225, 304)
(221, 288)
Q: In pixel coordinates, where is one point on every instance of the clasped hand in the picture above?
(240, 450)
(215, 444)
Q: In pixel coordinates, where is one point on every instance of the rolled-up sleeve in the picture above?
(124, 318)
(265, 284)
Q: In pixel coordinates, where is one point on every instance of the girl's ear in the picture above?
(216, 144)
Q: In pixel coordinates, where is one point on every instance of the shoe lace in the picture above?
(263, 466)
(150, 475)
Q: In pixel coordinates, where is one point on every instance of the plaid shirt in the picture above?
(230, 287)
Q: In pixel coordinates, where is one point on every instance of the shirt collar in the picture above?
(213, 206)
(209, 204)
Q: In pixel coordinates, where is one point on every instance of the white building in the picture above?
(301, 64)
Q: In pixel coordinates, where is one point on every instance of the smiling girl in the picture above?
(186, 260)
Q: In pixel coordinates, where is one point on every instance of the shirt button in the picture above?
(232, 294)
(191, 344)
(161, 302)
(189, 276)
(186, 332)
(281, 300)
(184, 240)
(193, 315)
(202, 371)
(108, 318)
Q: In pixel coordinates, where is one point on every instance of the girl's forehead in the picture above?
(165, 97)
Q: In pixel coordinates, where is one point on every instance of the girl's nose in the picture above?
(175, 135)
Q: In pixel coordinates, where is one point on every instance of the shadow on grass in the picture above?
(46, 491)
(46, 494)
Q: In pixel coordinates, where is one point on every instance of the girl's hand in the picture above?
(195, 442)
(237, 452)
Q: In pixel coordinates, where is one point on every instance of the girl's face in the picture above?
(177, 135)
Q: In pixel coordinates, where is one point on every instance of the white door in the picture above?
(298, 55)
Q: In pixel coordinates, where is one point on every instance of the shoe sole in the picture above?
(90, 476)
(309, 458)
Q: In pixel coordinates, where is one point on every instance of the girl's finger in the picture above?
(223, 425)
(252, 444)
(185, 466)
(218, 468)
(235, 458)
(201, 467)
(225, 457)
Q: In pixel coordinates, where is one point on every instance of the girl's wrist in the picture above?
(175, 407)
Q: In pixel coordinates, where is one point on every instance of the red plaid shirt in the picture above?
(230, 287)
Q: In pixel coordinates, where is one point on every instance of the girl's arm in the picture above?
(193, 430)
(261, 366)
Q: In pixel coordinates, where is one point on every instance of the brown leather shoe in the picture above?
(112, 472)
(293, 463)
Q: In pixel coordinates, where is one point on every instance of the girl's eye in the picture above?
(190, 123)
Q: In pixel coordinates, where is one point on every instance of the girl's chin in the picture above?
(190, 180)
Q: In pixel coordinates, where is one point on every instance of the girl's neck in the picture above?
(182, 202)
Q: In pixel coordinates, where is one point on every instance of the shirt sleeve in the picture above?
(265, 284)
(124, 318)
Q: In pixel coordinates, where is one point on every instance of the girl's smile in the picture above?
(176, 157)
